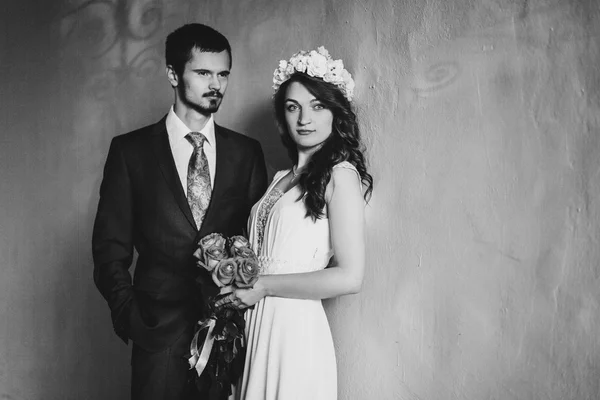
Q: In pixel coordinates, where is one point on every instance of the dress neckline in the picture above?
(272, 189)
(275, 182)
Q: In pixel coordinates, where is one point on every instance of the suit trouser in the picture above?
(163, 375)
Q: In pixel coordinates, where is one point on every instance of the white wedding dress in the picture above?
(290, 353)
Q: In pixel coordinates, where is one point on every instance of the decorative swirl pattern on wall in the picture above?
(144, 18)
(116, 40)
(101, 86)
(92, 28)
(147, 62)
(437, 77)
(102, 23)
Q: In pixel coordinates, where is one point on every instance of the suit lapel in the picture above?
(162, 151)
(223, 175)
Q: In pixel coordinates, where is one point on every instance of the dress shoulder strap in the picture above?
(278, 175)
(348, 165)
(345, 164)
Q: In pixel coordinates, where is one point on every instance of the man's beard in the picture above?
(213, 98)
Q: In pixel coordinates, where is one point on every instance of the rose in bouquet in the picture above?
(211, 249)
(218, 347)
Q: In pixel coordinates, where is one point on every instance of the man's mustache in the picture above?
(213, 94)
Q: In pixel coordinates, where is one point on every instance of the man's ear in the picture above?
(172, 76)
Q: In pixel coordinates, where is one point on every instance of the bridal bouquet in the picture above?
(218, 348)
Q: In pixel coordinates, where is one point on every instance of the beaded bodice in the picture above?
(263, 214)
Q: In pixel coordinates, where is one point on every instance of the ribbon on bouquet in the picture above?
(199, 359)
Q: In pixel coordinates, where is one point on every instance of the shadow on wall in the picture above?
(261, 124)
(116, 51)
(111, 81)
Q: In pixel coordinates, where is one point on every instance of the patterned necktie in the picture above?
(198, 179)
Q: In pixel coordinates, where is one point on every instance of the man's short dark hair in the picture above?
(182, 41)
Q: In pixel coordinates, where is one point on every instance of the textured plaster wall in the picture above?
(482, 123)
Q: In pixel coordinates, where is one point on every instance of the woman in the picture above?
(308, 214)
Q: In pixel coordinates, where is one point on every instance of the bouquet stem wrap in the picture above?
(199, 359)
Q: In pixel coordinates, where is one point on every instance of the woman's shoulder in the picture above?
(344, 175)
(346, 165)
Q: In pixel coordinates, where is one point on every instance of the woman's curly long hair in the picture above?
(343, 144)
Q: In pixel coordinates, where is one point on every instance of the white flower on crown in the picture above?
(323, 51)
(317, 63)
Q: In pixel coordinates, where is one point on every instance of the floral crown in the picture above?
(317, 63)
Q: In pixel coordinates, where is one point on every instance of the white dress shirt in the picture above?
(182, 149)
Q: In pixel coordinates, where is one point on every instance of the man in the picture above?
(165, 186)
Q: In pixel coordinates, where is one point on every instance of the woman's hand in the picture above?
(243, 298)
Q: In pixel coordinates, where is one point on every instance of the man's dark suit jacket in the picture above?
(143, 206)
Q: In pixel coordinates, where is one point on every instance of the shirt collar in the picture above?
(177, 129)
